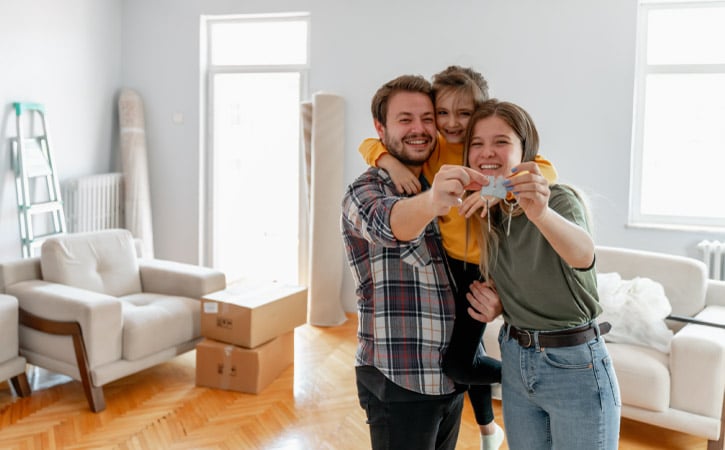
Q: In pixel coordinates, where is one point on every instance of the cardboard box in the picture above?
(249, 314)
(229, 367)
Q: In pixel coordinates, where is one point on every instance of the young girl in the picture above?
(558, 384)
(458, 91)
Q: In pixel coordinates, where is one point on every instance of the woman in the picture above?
(558, 385)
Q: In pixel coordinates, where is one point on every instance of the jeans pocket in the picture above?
(577, 357)
(612, 378)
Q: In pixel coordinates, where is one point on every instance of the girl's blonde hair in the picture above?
(461, 80)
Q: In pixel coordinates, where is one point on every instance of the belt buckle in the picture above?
(531, 340)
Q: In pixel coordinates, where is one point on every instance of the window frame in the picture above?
(208, 73)
(642, 70)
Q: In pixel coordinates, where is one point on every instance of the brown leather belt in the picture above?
(565, 338)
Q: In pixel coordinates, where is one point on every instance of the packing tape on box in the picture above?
(228, 371)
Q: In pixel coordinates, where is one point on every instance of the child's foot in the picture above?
(492, 441)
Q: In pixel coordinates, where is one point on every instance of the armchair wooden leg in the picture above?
(21, 385)
(94, 394)
(720, 443)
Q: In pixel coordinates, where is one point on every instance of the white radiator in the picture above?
(93, 202)
(713, 254)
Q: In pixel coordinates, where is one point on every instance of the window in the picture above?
(256, 76)
(679, 115)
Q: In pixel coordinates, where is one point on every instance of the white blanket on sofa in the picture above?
(636, 309)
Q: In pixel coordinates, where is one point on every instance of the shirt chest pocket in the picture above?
(417, 255)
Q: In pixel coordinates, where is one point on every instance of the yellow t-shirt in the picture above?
(452, 225)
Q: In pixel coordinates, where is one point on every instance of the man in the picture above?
(405, 303)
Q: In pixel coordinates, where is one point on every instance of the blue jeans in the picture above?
(563, 398)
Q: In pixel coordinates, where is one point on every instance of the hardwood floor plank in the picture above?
(312, 405)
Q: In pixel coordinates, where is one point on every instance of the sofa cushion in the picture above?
(643, 375)
(154, 322)
(100, 261)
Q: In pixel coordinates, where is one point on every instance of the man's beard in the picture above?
(397, 149)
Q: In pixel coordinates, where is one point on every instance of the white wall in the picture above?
(67, 56)
(569, 62)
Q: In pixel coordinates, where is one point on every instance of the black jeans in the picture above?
(465, 361)
(403, 419)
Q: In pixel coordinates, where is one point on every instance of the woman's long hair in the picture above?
(522, 124)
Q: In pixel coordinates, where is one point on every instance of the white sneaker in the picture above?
(492, 441)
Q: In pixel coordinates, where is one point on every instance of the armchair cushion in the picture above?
(104, 261)
(153, 322)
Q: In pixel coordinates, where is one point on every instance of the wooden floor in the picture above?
(313, 405)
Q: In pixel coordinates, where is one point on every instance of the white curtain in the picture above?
(323, 123)
(134, 165)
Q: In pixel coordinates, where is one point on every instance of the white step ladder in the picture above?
(36, 181)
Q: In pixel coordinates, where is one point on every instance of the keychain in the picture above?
(511, 206)
(497, 189)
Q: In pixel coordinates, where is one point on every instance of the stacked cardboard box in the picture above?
(248, 332)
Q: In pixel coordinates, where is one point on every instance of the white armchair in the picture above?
(123, 314)
(685, 389)
(12, 365)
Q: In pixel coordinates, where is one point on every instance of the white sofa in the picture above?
(685, 389)
(90, 309)
(12, 365)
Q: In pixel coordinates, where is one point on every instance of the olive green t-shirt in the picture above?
(538, 289)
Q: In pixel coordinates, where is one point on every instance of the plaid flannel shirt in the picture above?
(405, 302)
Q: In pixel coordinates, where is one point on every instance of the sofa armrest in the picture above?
(8, 328)
(99, 315)
(715, 294)
(697, 365)
(20, 270)
(174, 278)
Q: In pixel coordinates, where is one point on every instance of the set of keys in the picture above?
(497, 189)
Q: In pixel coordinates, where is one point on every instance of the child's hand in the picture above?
(405, 181)
(474, 203)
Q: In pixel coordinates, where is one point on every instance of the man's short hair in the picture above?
(404, 83)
